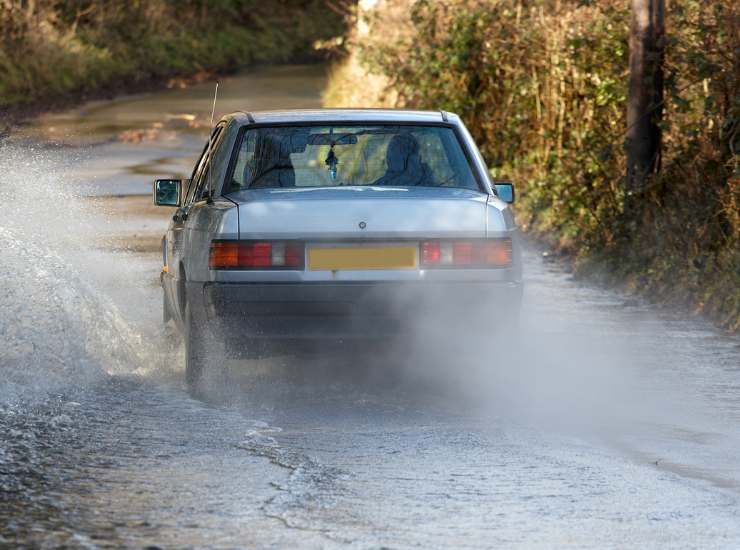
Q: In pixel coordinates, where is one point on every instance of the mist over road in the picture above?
(605, 424)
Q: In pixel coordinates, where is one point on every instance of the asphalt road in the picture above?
(606, 423)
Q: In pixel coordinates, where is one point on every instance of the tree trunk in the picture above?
(645, 101)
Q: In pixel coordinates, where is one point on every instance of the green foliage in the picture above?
(50, 47)
(542, 86)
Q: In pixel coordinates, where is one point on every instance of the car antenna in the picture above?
(210, 147)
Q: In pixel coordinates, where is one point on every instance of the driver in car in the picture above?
(404, 165)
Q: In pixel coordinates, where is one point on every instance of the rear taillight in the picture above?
(256, 255)
(474, 253)
(431, 253)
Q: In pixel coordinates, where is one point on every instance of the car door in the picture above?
(196, 235)
(175, 253)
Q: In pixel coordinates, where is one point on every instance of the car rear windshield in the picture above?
(329, 156)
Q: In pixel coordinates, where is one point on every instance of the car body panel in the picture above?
(386, 213)
(350, 311)
(293, 116)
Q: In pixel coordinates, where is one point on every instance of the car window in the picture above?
(327, 156)
(196, 171)
(244, 157)
(199, 180)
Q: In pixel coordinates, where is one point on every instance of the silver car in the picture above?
(333, 225)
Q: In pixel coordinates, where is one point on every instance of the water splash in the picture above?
(58, 329)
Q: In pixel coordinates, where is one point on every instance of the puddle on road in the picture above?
(129, 141)
(128, 463)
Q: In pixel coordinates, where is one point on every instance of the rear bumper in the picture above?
(356, 310)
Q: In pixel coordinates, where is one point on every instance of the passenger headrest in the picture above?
(403, 150)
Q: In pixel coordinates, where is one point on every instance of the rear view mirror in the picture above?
(332, 139)
(167, 192)
(505, 191)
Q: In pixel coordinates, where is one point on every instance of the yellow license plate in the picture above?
(357, 258)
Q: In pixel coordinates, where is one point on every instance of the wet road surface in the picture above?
(606, 424)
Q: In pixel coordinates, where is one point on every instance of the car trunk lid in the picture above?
(359, 213)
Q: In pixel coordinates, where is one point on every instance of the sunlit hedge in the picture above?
(542, 85)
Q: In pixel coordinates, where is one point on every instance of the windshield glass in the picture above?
(329, 156)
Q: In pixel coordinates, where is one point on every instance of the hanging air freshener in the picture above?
(332, 161)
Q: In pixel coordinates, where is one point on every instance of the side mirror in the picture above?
(505, 191)
(167, 192)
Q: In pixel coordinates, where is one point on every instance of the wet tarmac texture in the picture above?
(133, 461)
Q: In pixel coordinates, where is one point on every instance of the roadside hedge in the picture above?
(52, 48)
(542, 86)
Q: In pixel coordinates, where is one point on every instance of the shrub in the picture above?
(542, 86)
(50, 47)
